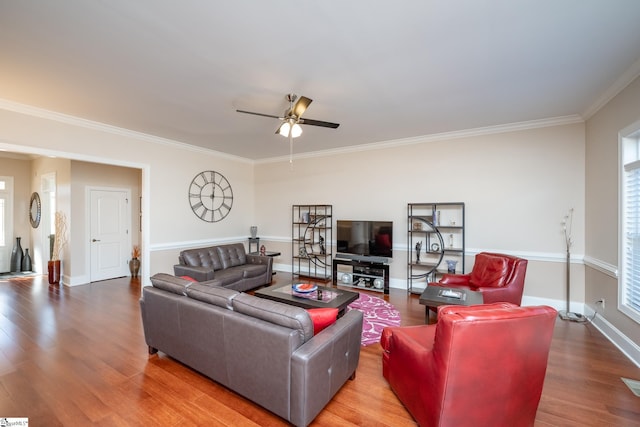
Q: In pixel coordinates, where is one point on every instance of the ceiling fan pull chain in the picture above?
(290, 148)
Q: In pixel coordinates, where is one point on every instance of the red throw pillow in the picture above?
(322, 317)
(191, 279)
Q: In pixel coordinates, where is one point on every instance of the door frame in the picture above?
(145, 194)
(8, 220)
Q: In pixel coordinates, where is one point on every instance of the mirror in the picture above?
(34, 210)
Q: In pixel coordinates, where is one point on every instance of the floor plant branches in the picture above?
(377, 314)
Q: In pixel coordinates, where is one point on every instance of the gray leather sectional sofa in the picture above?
(261, 349)
(228, 266)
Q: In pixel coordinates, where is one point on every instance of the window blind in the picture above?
(631, 280)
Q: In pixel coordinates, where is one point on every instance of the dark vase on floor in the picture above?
(26, 261)
(16, 256)
(54, 272)
(134, 267)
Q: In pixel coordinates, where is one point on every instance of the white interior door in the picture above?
(110, 218)
(6, 222)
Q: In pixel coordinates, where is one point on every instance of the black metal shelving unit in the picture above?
(312, 235)
(435, 235)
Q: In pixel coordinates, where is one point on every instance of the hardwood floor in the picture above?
(77, 357)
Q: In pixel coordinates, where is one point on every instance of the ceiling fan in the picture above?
(292, 119)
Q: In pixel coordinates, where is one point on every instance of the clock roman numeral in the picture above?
(205, 178)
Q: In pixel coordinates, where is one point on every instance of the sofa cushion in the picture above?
(214, 295)
(322, 317)
(489, 271)
(274, 312)
(253, 270)
(170, 283)
(201, 257)
(229, 276)
(232, 255)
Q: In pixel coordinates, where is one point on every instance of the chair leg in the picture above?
(427, 314)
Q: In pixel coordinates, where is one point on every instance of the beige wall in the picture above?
(602, 150)
(517, 186)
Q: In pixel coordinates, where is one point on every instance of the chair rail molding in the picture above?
(602, 266)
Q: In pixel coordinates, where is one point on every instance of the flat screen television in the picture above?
(362, 239)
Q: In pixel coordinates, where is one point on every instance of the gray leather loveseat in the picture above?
(261, 349)
(228, 266)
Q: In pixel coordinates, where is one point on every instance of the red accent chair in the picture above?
(499, 277)
(481, 365)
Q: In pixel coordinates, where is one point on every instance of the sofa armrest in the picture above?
(201, 274)
(260, 259)
(322, 365)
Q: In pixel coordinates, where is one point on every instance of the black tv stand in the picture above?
(372, 276)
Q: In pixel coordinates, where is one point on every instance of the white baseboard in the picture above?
(624, 344)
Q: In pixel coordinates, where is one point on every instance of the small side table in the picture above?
(434, 296)
(254, 241)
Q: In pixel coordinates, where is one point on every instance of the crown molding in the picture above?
(445, 136)
(618, 86)
(114, 130)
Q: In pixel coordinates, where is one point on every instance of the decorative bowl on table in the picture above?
(304, 287)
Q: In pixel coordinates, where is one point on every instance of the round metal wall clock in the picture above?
(210, 196)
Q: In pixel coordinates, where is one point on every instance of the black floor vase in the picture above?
(16, 256)
(26, 261)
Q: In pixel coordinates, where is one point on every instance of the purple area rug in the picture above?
(377, 314)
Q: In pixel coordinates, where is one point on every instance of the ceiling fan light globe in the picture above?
(296, 130)
(284, 129)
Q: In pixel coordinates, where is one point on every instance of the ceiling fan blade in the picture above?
(260, 114)
(318, 123)
(301, 105)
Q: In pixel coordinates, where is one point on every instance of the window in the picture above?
(629, 283)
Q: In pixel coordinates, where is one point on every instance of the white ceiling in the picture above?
(384, 70)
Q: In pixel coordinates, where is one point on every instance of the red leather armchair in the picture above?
(500, 278)
(480, 365)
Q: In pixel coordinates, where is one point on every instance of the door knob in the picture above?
(95, 240)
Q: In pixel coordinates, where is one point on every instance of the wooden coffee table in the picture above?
(434, 296)
(323, 297)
